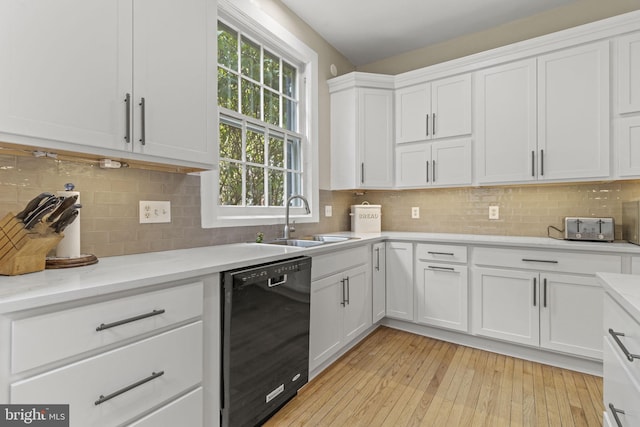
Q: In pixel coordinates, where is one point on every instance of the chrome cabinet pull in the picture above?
(103, 398)
(104, 326)
(427, 124)
(427, 163)
(535, 292)
(626, 352)
(433, 124)
(127, 119)
(377, 259)
(533, 163)
(548, 261)
(344, 300)
(615, 413)
(348, 290)
(362, 173)
(435, 267)
(143, 139)
(541, 162)
(434, 170)
(545, 293)
(441, 253)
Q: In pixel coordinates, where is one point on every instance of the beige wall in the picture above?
(574, 14)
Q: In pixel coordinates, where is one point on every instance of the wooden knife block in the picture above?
(24, 251)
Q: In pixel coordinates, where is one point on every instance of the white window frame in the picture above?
(244, 14)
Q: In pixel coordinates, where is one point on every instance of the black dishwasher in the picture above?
(265, 339)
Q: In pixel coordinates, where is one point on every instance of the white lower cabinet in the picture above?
(108, 389)
(185, 411)
(539, 309)
(400, 298)
(340, 303)
(378, 282)
(621, 392)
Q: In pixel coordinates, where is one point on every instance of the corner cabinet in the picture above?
(378, 282)
(399, 257)
(438, 109)
(361, 135)
(131, 79)
(537, 122)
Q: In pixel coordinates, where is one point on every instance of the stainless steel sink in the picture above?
(310, 241)
(296, 242)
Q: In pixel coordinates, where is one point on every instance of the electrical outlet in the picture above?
(328, 210)
(494, 212)
(155, 211)
(415, 212)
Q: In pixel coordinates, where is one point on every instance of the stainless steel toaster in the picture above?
(589, 229)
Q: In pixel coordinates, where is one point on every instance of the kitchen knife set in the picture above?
(56, 211)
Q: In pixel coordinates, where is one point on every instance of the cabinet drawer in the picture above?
(448, 253)
(325, 265)
(564, 262)
(620, 390)
(185, 411)
(617, 319)
(177, 354)
(73, 331)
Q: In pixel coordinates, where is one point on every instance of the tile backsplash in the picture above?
(109, 219)
(524, 210)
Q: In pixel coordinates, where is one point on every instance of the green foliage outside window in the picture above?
(262, 88)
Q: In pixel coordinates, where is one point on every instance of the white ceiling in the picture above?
(369, 30)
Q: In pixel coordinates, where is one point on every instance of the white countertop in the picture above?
(119, 273)
(625, 289)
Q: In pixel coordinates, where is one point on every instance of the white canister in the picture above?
(366, 218)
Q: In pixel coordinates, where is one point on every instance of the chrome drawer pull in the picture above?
(615, 413)
(103, 398)
(615, 336)
(441, 253)
(548, 261)
(433, 267)
(104, 326)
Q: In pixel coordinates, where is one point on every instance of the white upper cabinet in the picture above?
(573, 113)
(629, 147)
(440, 163)
(438, 109)
(505, 111)
(628, 73)
(71, 83)
(545, 118)
(361, 138)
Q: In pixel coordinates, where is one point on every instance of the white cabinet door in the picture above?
(442, 294)
(378, 282)
(357, 306)
(505, 305)
(451, 106)
(573, 113)
(505, 134)
(184, 411)
(413, 111)
(400, 280)
(325, 328)
(413, 165)
(172, 64)
(439, 109)
(629, 146)
(571, 314)
(375, 137)
(361, 138)
(451, 162)
(628, 67)
(67, 67)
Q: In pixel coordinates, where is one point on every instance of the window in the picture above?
(267, 131)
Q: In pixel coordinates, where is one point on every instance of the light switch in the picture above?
(155, 211)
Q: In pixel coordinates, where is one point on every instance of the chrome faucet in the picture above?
(286, 219)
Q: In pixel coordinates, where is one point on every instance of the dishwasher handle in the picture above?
(281, 281)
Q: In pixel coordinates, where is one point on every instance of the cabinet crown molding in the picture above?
(360, 79)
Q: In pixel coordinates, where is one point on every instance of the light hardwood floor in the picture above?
(394, 378)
